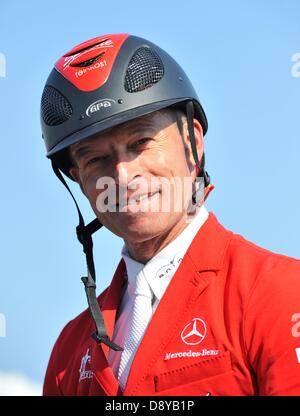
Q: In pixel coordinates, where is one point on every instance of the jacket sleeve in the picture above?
(55, 369)
(51, 386)
(272, 329)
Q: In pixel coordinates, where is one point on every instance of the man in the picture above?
(193, 309)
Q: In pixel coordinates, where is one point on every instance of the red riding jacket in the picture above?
(228, 324)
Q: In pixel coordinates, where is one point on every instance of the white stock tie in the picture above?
(141, 315)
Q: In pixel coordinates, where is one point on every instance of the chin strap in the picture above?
(201, 172)
(84, 235)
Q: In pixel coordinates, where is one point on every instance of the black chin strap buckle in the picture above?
(105, 340)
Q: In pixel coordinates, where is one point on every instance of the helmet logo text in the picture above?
(99, 105)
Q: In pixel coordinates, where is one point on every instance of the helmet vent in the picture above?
(89, 61)
(55, 108)
(144, 70)
(93, 45)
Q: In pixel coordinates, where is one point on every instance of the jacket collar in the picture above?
(208, 248)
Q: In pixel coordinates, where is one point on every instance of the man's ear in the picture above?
(74, 173)
(198, 132)
(199, 138)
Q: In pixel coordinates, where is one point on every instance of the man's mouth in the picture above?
(142, 197)
(137, 199)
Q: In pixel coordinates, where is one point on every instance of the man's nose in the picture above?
(125, 170)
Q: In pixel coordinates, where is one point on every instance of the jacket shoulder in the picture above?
(253, 255)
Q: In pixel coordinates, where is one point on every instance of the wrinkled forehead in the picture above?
(154, 123)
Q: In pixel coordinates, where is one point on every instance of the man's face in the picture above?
(146, 160)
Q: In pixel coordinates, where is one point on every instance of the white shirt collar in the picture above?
(159, 270)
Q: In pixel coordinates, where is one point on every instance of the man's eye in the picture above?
(97, 159)
(140, 142)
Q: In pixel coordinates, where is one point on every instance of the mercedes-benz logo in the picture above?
(194, 332)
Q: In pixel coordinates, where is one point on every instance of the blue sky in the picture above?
(238, 55)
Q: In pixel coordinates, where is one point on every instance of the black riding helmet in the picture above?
(100, 84)
(105, 82)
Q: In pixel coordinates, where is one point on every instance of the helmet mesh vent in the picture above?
(55, 108)
(144, 70)
(89, 61)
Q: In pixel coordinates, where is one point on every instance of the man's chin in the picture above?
(141, 226)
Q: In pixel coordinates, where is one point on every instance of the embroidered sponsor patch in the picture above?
(194, 332)
(83, 372)
(190, 354)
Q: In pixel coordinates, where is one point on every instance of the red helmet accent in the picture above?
(88, 65)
